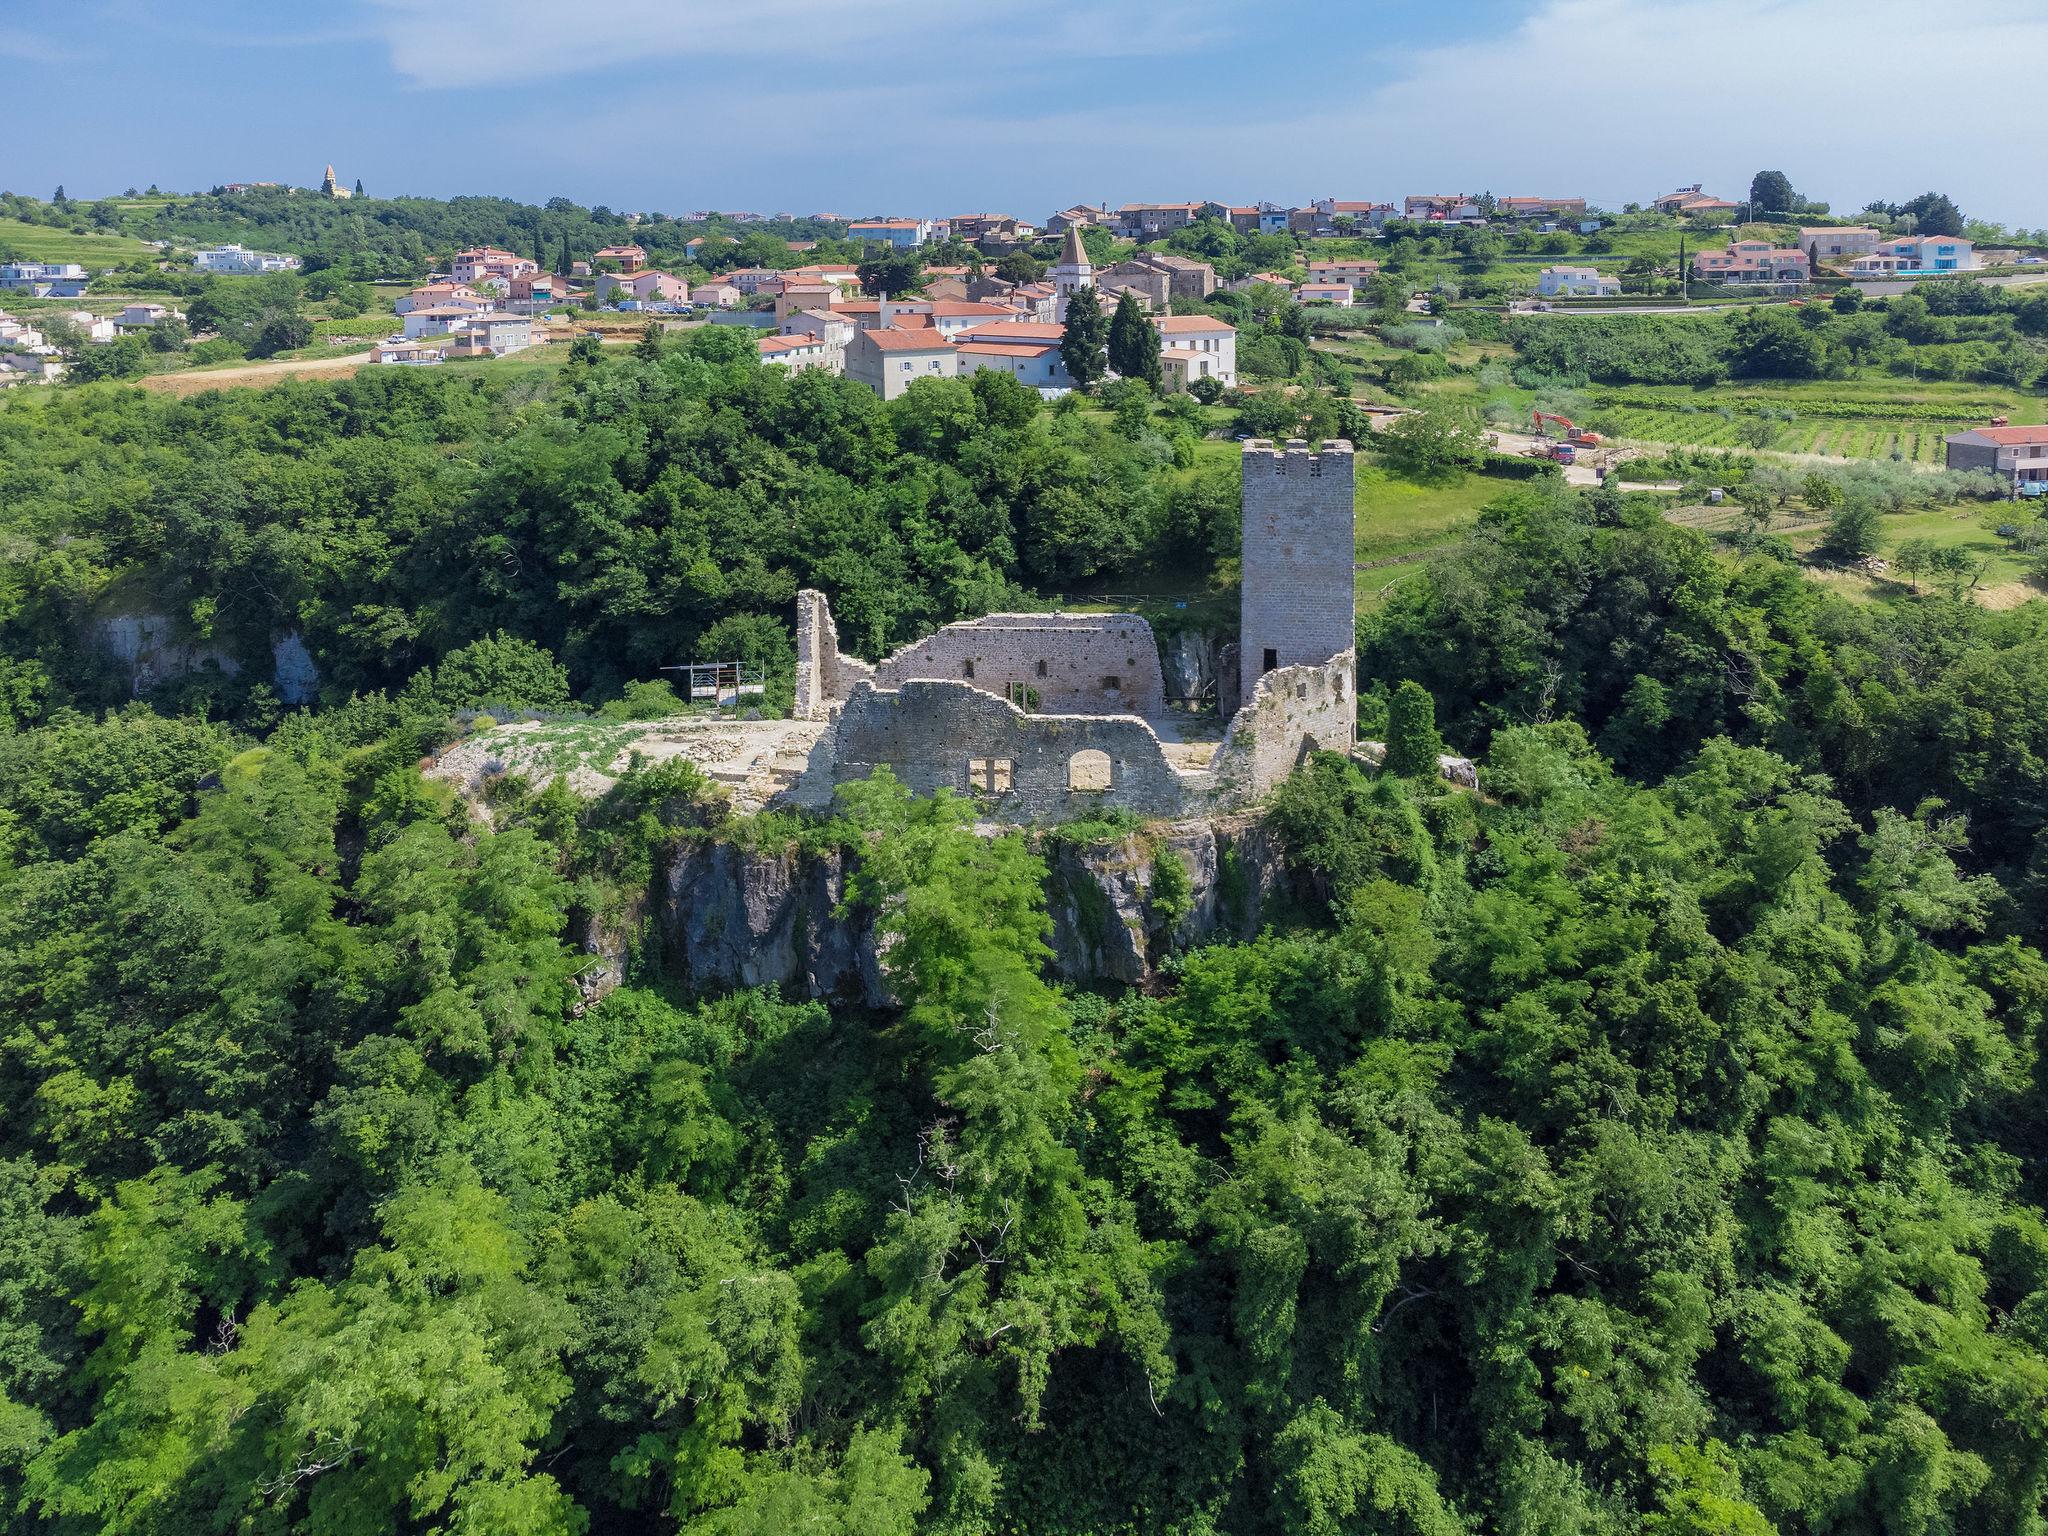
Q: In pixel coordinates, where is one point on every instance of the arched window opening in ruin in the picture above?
(1088, 772)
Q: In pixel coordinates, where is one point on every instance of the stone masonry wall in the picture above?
(1298, 596)
(1076, 663)
(824, 677)
(929, 733)
(1295, 711)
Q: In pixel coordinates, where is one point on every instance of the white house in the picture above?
(140, 317)
(1339, 294)
(1576, 283)
(412, 354)
(44, 279)
(801, 350)
(437, 320)
(1032, 359)
(91, 326)
(241, 261)
(1197, 347)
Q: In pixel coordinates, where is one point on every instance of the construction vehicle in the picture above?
(1571, 435)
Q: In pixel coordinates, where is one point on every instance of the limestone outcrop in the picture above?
(728, 915)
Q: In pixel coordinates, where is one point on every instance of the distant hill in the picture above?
(380, 237)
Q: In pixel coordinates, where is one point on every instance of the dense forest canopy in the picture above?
(1651, 1143)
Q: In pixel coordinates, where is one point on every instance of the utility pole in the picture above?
(1684, 287)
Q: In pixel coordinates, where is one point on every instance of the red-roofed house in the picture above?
(437, 295)
(890, 359)
(628, 258)
(797, 351)
(487, 261)
(2014, 453)
(1691, 202)
(648, 286)
(1751, 262)
(1447, 207)
(1196, 347)
(1036, 364)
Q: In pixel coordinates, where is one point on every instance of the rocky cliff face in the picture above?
(729, 916)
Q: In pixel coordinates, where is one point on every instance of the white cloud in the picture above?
(1622, 99)
(915, 106)
(448, 43)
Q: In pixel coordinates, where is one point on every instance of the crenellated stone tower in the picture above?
(1299, 602)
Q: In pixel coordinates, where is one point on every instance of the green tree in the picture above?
(1133, 343)
(892, 276)
(1855, 530)
(1771, 192)
(1083, 348)
(1413, 744)
(1933, 213)
(1436, 441)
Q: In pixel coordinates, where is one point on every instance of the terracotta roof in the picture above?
(1015, 333)
(894, 340)
(961, 309)
(787, 343)
(991, 349)
(2008, 437)
(1185, 324)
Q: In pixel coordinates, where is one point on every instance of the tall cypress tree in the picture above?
(359, 186)
(562, 263)
(1082, 347)
(1133, 344)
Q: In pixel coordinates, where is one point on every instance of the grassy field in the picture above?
(1399, 520)
(1872, 418)
(38, 242)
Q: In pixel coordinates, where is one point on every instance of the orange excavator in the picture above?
(1566, 431)
(1570, 439)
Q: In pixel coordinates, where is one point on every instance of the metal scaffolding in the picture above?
(727, 684)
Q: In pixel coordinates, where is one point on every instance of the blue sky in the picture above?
(1023, 106)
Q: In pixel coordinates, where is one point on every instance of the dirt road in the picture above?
(195, 380)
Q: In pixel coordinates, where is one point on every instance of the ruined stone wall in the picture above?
(1074, 663)
(1298, 595)
(931, 735)
(1295, 711)
(824, 677)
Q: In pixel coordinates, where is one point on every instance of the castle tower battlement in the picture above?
(1298, 605)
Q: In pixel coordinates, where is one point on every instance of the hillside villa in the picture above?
(1576, 283)
(1837, 244)
(1916, 256)
(901, 234)
(1691, 203)
(239, 260)
(1752, 262)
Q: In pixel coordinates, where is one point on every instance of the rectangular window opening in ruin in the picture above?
(1112, 684)
(1041, 667)
(989, 775)
(1272, 659)
(967, 669)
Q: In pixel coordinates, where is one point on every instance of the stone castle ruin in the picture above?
(1043, 717)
